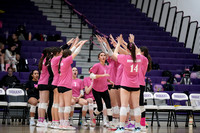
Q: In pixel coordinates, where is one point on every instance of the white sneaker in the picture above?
(38, 123)
(32, 123)
(84, 123)
(49, 124)
(42, 124)
(71, 122)
(143, 128)
(92, 124)
(105, 123)
(56, 125)
(67, 127)
(52, 125)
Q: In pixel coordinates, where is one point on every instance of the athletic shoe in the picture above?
(111, 126)
(32, 123)
(60, 127)
(120, 130)
(52, 125)
(130, 126)
(67, 127)
(137, 129)
(42, 124)
(143, 128)
(71, 122)
(56, 125)
(84, 123)
(105, 124)
(92, 124)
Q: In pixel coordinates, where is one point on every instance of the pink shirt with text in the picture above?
(119, 74)
(77, 86)
(130, 77)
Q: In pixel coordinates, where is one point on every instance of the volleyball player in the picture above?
(54, 65)
(64, 85)
(77, 94)
(88, 83)
(129, 85)
(100, 87)
(43, 88)
(33, 94)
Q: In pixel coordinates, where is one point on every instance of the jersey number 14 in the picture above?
(135, 68)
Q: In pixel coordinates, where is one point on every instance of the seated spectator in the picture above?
(21, 32)
(10, 56)
(18, 44)
(186, 77)
(9, 80)
(2, 56)
(33, 94)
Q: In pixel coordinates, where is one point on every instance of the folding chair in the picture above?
(166, 108)
(195, 103)
(183, 108)
(16, 100)
(151, 108)
(3, 104)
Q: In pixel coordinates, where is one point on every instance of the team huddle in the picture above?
(116, 88)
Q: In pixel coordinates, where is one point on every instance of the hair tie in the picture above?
(42, 54)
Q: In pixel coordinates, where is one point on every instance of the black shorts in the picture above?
(34, 96)
(63, 89)
(43, 87)
(130, 88)
(52, 87)
(110, 87)
(117, 87)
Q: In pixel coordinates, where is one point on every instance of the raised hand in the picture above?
(70, 41)
(131, 38)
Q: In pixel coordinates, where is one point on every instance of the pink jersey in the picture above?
(65, 79)
(77, 86)
(112, 69)
(131, 70)
(99, 84)
(143, 71)
(44, 76)
(54, 66)
(87, 82)
(119, 74)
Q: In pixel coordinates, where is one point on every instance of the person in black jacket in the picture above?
(9, 80)
(33, 94)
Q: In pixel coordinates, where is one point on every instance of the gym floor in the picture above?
(17, 127)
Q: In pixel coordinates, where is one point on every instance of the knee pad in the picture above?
(44, 105)
(97, 112)
(90, 106)
(85, 107)
(33, 109)
(39, 105)
(123, 111)
(109, 112)
(137, 111)
(72, 108)
(67, 109)
(61, 109)
(55, 105)
(104, 106)
(142, 109)
(131, 112)
(116, 110)
(128, 109)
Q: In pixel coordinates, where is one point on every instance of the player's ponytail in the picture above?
(66, 53)
(131, 47)
(146, 54)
